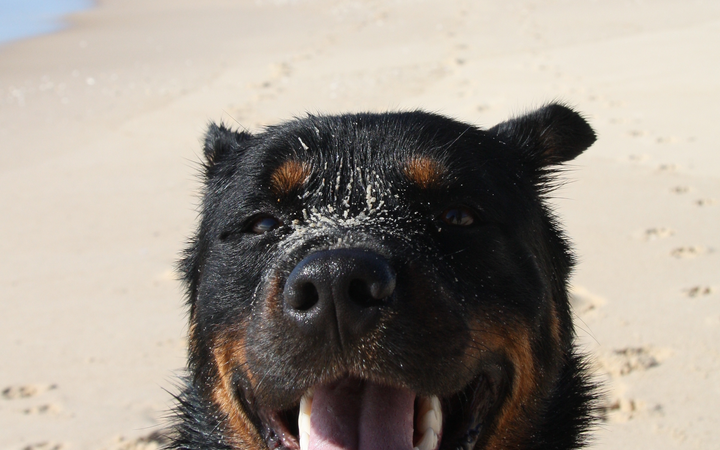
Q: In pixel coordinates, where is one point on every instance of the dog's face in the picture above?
(381, 281)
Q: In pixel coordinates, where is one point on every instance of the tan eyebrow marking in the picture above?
(425, 172)
(289, 176)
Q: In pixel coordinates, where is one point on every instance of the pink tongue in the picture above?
(360, 415)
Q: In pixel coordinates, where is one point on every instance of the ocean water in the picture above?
(21, 19)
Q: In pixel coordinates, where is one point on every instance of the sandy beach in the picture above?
(100, 128)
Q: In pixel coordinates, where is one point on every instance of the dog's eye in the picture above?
(461, 217)
(264, 224)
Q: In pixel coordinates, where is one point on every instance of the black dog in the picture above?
(384, 282)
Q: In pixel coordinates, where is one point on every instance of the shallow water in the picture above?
(20, 19)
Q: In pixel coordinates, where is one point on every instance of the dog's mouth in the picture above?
(354, 414)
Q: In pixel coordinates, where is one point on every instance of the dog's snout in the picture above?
(339, 289)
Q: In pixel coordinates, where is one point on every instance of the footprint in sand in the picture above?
(50, 408)
(26, 391)
(690, 251)
(652, 234)
(637, 133)
(622, 362)
(698, 291)
(45, 445)
(667, 168)
(617, 407)
(153, 441)
(621, 409)
(680, 189)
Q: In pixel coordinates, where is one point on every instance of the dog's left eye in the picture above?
(264, 224)
(460, 217)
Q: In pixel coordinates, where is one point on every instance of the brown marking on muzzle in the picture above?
(291, 175)
(425, 171)
(513, 340)
(273, 297)
(229, 354)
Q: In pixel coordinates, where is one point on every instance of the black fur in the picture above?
(361, 192)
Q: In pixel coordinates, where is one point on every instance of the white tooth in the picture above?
(438, 414)
(304, 441)
(429, 415)
(429, 422)
(428, 442)
(304, 420)
(436, 405)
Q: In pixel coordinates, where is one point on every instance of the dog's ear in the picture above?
(547, 136)
(221, 142)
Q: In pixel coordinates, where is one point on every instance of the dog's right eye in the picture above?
(263, 225)
(460, 217)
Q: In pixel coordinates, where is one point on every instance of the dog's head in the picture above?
(377, 281)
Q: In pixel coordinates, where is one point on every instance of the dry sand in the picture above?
(99, 132)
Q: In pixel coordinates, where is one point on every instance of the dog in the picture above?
(390, 281)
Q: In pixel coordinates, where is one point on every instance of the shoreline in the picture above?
(50, 18)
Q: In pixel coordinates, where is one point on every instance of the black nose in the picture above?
(339, 290)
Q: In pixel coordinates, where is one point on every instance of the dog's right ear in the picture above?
(222, 142)
(548, 136)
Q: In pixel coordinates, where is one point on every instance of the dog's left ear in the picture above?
(547, 136)
(221, 141)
